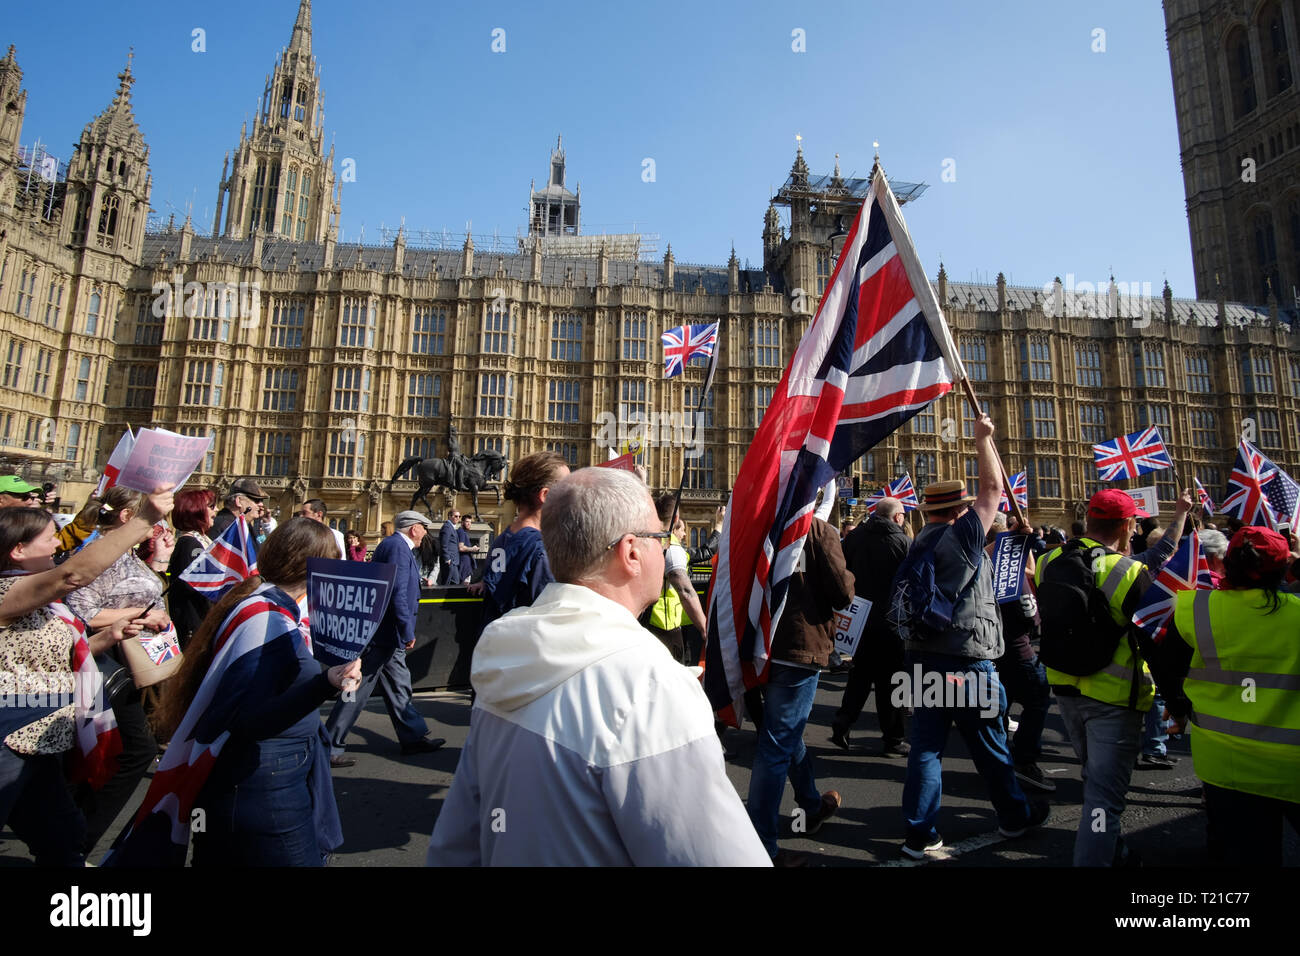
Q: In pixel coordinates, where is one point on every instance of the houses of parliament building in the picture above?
(318, 366)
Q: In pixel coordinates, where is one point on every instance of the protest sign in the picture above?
(1009, 552)
(622, 463)
(848, 625)
(346, 600)
(1146, 499)
(162, 459)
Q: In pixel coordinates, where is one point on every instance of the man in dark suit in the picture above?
(242, 499)
(384, 660)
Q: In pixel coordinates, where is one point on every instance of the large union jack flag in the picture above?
(230, 559)
(1020, 488)
(877, 352)
(684, 343)
(1131, 455)
(900, 488)
(1186, 570)
(1259, 492)
(159, 833)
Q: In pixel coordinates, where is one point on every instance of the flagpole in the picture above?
(1006, 482)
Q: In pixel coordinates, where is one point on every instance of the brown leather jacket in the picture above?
(807, 628)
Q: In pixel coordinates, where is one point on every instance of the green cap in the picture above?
(13, 485)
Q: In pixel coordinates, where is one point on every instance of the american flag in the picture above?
(116, 462)
(1131, 455)
(159, 833)
(231, 558)
(1283, 493)
(684, 343)
(877, 352)
(1248, 494)
(1207, 504)
(900, 488)
(1186, 570)
(1020, 488)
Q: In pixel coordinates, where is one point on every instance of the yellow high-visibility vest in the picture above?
(666, 613)
(1113, 684)
(1244, 685)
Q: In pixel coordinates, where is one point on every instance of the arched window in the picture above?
(92, 314)
(1241, 72)
(1261, 229)
(290, 197)
(108, 216)
(304, 205)
(1272, 42)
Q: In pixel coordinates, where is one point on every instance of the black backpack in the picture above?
(918, 609)
(1079, 636)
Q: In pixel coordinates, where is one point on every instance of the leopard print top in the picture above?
(36, 657)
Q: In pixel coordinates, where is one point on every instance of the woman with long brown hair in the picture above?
(517, 566)
(244, 712)
(44, 651)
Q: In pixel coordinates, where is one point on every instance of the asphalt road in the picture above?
(388, 802)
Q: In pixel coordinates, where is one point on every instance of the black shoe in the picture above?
(1155, 762)
(337, 763)
(896, 748)
(916, 848)
(424, 745)
(1031, 775)
(840, 736)
(1039, 811)
(830, 803)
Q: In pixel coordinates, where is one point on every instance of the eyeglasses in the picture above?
(657, 535)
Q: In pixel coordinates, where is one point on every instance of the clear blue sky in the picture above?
(1066, 159)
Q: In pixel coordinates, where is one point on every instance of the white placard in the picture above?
(1146, 499)
(849, 624)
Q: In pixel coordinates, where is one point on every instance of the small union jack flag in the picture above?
(1207, 504)
(1020, 488)
(1248, 498)
(1131, 455)
(686, 342)
(231, 558)
(1186, 570)
(900, 488)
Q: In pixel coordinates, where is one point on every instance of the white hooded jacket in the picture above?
(588, 746)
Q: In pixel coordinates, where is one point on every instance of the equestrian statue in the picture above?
(455, 472)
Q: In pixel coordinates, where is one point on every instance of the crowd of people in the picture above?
(589, 727)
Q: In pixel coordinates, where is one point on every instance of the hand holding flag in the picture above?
(230, 559)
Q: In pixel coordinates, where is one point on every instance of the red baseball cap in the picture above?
(1271, 546)
(1114, 503)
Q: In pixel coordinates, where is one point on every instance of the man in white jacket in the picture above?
(589, 745)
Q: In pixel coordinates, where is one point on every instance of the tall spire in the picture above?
(125, 79)
(300, 42)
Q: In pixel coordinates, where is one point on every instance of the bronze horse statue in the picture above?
(474, 474)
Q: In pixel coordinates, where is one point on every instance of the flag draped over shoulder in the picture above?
(877, 352)
(159, 833)
(1020, 488)
(1186, 570)
(99, 742)
(230, 559)
(900, 488)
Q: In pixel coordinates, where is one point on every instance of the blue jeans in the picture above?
(985, 738)
(38, 807)
(1026, 685)
(1154, 733)
(258, 807)
(787, 703)
(1106, 738)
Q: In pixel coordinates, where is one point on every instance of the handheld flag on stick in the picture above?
(684, 343)
(116, 462)
(1207, 505)
(230, 559)
(1131, 455)
(877, 352)
(900, 488)
(1020, 488)
(1250, 497)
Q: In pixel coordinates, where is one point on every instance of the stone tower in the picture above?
(13, 105)
(1234, 65)
(554, 210)
(109, 182)
(281, 182)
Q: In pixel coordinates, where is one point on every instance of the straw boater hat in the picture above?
(945, 494)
